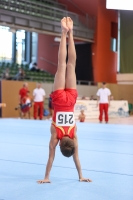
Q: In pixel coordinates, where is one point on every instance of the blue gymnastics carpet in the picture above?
(106, 156)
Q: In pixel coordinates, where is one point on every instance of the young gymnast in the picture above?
(82, 116)
(64, 96)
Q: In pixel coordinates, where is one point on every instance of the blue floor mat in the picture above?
(105, 151)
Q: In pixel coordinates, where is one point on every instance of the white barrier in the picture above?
(116, 109)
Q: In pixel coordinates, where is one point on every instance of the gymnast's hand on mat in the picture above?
(43, 181)
(85, 180)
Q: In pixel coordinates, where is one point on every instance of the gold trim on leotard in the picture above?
(70, 128)
(58, 127)
(61, 128)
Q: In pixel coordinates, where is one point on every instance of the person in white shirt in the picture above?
(38, 97)
(103, 98)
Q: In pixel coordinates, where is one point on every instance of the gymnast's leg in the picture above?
(59, 81)
(70, 71)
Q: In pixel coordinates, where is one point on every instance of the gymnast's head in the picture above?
(67, 146)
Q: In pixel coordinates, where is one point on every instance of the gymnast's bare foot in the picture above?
(69, 23)
(64, 25)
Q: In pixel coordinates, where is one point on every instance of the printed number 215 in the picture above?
(67, 119)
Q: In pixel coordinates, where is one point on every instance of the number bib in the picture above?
(65, 119)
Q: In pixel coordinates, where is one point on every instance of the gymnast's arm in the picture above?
(77, 162)
(52, 145)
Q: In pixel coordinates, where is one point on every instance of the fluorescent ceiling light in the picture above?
(119, 4)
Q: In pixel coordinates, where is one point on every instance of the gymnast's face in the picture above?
(103, 85)
(39, 85)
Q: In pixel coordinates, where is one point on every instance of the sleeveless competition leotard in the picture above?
(63, 119)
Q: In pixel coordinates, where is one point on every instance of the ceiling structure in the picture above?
(86, 6)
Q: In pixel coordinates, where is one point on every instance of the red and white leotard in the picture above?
(64, 101)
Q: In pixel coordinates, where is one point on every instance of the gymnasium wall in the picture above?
(47, 49)
(10, 95)
(124, 92)
(125, 78)
(81, 7)
(126, 41)
(86, 90)
(121, 91)
(104, 60)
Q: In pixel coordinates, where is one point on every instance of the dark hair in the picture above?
(67, 146)
(104, 83)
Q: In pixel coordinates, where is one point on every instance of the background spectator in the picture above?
(50, 106)
(38, 97)
(83, 98)
(82, 116)
(103, 97)
(33, 66)
(6, 74)
(20, 75)
(22, 93)
(92, 97)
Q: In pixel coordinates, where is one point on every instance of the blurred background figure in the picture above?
(50, 106)
(83, 98)
(33, 67)
(26, 105)
(6, 74)
(22, 93)
(103, 99)
(82, 116)
(111, 97)
(92, 97)
(38, 98)
(20, 75)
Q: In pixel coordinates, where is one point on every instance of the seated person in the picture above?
(92, 97)
(20, 75)
(30, 65)
(82, 116)
(83, 98)
(63, 128)
(33, 67)
(6, 75)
